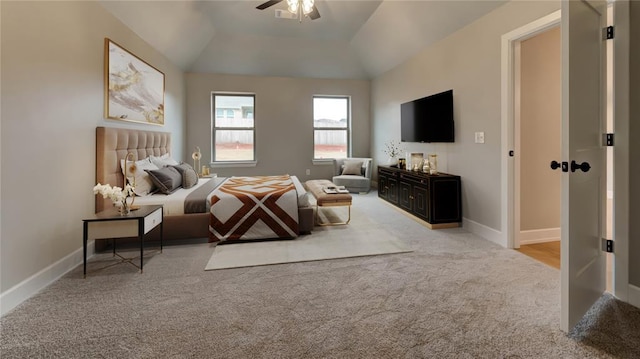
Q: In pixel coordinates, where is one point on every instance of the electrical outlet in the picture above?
(308, 172)
(479, 137)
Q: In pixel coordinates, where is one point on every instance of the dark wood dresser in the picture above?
(435, 199)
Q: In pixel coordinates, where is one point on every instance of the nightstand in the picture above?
(111, 224)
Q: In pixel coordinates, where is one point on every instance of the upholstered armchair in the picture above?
(353, 173)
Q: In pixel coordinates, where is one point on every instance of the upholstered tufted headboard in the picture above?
(113, 144)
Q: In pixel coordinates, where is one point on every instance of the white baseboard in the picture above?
(483, 231)
(539, 236)
(634, 295)
(32, 285)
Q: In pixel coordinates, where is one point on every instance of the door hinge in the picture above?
(609, 32)
(609, 139)
(607, 245)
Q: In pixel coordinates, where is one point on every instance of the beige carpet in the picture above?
(455, 295)
(319, 245)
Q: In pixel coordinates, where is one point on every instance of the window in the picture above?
(331, 125)
(233, 128)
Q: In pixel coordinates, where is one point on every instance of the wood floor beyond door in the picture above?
(547, 253)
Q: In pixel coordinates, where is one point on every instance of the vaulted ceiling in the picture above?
(354, 39)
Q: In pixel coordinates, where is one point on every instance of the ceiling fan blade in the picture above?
(314, 14)
(267, 4)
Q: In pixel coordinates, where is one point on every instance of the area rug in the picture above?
(360, 237)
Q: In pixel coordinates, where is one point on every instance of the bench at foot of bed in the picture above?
(323, 199)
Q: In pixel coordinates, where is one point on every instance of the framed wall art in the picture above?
(134, 90)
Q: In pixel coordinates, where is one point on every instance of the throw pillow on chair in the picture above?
(352, 168)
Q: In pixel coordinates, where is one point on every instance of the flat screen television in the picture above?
(428, 119)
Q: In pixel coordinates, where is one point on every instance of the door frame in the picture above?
(622, 289)
(510, 41)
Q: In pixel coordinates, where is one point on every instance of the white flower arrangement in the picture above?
(116, 194)
(393, 149)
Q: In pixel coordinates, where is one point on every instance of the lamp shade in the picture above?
(196, 155)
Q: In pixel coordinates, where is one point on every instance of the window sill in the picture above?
(233, 164)
(323, 162)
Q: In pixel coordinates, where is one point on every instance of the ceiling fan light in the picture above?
(293, 6)
(307, 6)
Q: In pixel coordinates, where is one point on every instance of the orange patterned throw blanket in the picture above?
(254, 208)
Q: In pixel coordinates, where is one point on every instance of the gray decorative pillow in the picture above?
(352, 168)
(189, 175)
(167, 179)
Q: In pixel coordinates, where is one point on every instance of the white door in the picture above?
(583, 272)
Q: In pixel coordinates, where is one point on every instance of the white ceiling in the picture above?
(355, 39)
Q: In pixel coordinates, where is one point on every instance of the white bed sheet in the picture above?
(174, 202)
(303, 198)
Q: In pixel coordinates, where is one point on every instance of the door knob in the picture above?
(584, 166)
(555, 165)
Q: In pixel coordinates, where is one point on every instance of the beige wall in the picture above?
(540, 131)
(52, 101)
(634, 144)
(467, 61)
(284, 120)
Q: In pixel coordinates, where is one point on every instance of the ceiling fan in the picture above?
(301, 8)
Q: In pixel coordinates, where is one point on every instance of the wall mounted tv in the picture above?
(428, 119)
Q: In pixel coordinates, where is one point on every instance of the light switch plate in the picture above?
(479, 137)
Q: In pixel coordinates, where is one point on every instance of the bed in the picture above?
(113, 144)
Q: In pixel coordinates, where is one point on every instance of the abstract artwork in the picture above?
(134, 90)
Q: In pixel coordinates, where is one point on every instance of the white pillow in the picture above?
(143, 184)
(164, 160)
(353, 168)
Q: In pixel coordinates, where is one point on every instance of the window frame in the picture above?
(215, 128)
(347, 129)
